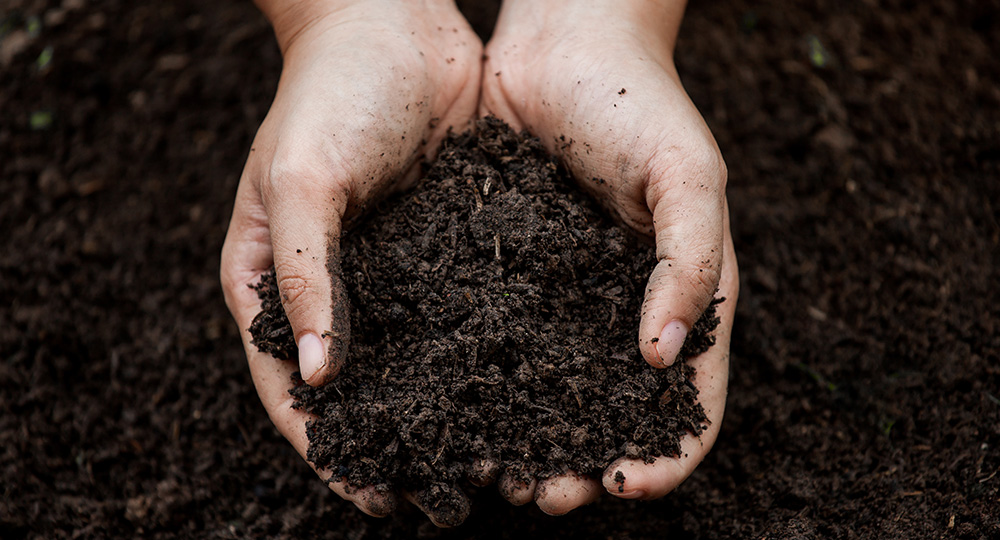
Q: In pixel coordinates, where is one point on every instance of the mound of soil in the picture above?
(494, 316)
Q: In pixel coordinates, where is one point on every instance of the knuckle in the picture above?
(284, 182)
(701, 166)
(700, 277)
(227, 276)
(302, 176)
(704, 279)
(229, 284)
(704, 282)
(683, 288)
(295, 292)
(699, 175)
(234, 279)
(703, 272)
(705, 163)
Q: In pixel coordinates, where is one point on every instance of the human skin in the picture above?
(368, 89)
(596, 81)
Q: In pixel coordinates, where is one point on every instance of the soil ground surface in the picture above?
(863, 144)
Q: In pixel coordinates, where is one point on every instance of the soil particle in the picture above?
(480, 302)
(620, 480)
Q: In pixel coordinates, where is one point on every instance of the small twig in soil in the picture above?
(569, 234)
(479, 200)
(364, 267)
(576, 392)
(409, 407)
(553, 412)
(990, 477)
(277, 333)
(444, 444)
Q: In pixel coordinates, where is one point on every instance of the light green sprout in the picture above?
(818, 55)
(40, 120)
(45, 58)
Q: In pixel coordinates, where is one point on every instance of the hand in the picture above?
(368, 89)
(596, 82)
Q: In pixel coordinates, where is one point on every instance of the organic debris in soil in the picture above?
(494, 316)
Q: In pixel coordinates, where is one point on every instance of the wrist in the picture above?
(655, 22)
(292, 18)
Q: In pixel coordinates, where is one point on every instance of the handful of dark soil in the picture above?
(494, 315)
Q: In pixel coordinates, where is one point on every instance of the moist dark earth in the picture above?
(863, 146)
(494, 314)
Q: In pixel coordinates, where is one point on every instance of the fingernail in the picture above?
(634, 494)
(668, 346)
(312, 357)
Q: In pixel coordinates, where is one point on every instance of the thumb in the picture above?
(305, 215)
(687, 221)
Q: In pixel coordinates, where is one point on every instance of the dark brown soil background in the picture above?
(865, 389)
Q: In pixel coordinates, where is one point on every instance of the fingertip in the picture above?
(375, 501)
(641, 480)
(364, 509)
(483, 472)
(561, 494)
(613, 479)
(647, 347)
(378, 502)
(445, 505)
(517, 492)
(616, 482)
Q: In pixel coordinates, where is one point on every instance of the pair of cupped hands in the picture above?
(370, 88)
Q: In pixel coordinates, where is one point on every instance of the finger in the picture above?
(492, 100)
(246, 254)
(304, 210)
(687, 203)
(483, 472)
(639, 480)
(445, 505)
(495, 104)
(557, 496)
(516, 492)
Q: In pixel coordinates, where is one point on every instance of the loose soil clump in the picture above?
(494, 316)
